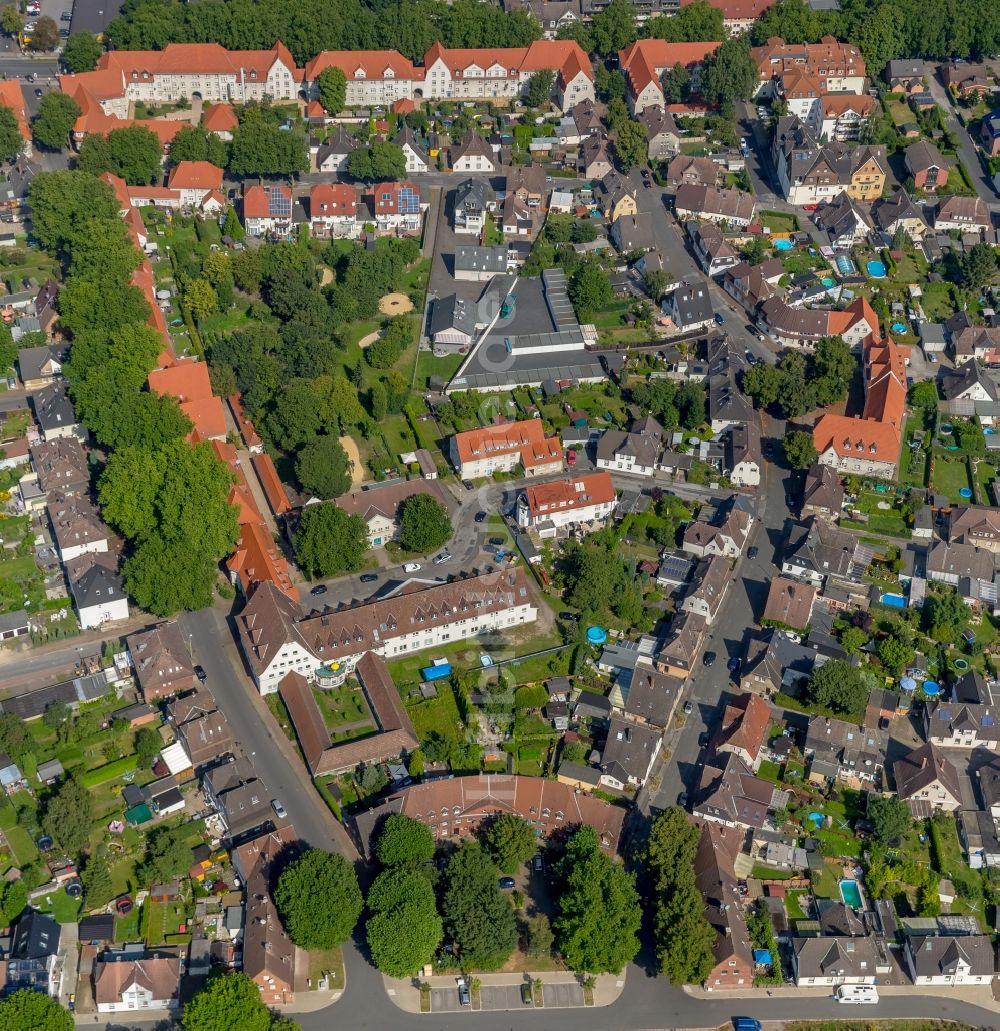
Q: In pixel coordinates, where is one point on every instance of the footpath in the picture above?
(975, 995)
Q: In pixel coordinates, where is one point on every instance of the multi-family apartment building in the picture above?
(482, 452)
(646, 60)
(549, 507)
(836, 67)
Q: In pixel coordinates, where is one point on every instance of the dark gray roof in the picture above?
(692, 304)
(31, 359)
(652, 696)
(407, 136)
(99, 585)
(830, 957)
(473, 193)
(36, 936)
(922, 767)
(53, 407)
(939, 956)
(452, 312)
(630, 746)
(481, 259)
(954, 383)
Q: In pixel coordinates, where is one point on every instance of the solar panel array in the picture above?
(409, 201)
(278, 204)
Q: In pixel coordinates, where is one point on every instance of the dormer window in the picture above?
(359, 73)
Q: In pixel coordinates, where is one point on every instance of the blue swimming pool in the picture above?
(899, 327)
(965, 492)
(782, 245)
(894, 601)
(876, 269)
(827, 282)
(851, 894)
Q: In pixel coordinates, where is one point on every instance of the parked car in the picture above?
(538, 863)
(719, 318)
(445, 556)
(733, 665)
(468, 485)
(497, 542)
(200, 673)
(506, 883)
(464, 995)
(319, 589)
(526, 995)
(810, 207)
(689, 705)
(682, 799)
(571, 457)
(368, 578)
(708, 658)
(570, 617)
(703, 739)
(752, 552)
(39, 93)
(279, 809)
(411, 567)
(480, 517)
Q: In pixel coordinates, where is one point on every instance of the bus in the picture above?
(858, 994)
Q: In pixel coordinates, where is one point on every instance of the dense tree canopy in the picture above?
(26, 1010)
(261, 147)
(230, 1002)
(323, 468)
(405, 928)
(319, 899)
(943, 614)
(65, 204)
(332, 90)
(329, 540)
(68, 815)
(730, 73)
(81, 52)
(890, 817)
(404, 841)
(599, 911)
(695, 23)
(196, 143)
(838, 685)
(57, 113)
(800, 452)
(379, 162)
(510, 842)
(799, 383)
(134, 153)
(424, 524)
(10, 134)
(539, 89)
(478, 917)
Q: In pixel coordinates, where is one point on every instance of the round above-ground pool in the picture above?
(988, 431)
(827, 282)
(782, 245)
(945, 427)
(876, 269)
(817, 817)
(894, 601)
(965, 492)
(597, 635)
(931, 688)
(898, 327)
(961, 665)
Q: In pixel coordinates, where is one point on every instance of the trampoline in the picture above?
(961, 665)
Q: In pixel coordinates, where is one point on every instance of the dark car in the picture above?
(682, 799)
(480, 517)
(526, 994)
(66, 16)
(703, 739)
(708, 658)
(200, 674)
(538, 863)
(468, 485)
(733, 665)
(368, 578)
(506, 882)
(752, 552)
(789, 501)
(319, 589)
(570, 617)
(719, 318)
(497, 542)
(39, 92)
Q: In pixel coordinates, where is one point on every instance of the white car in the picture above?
(279, 809)
(411, 567)
(443, 557)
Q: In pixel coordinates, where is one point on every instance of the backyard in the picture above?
(951, 476)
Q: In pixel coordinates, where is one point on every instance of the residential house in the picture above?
(981, 343)
(32, 960)
(905, 76)
(616, 196)
(61, 465)
(162, 661)
(333, 211)
(729, 207)
(689, 307)
(686, 170)
(277, 639)
(708, 589)
(968, 384)
(751, 285)
(965, 79)
(932, 339)
(950, 961)
(842, 751)
(841, 115)
(126, 985)
(644, 62)
(481, 452)
(40, 366)
(729, 793)
(926, 166)
(472, 154)
(717, 883)
(629, 754)
(461, 805)
(201, 727)
(398, 208)
(268, 952)
(823, 493)
(194, 181)
(380, 507)
(558, 504)
(743, 729)
(76, 525)
(775, 663)
(789, 604)
(632, 234)
(636, 451)
(838, 67)
(978, 833)
(989, 133)
(220, 120)
(844, 222)
(967, 214)
(728, 406)
(835, 961)
(976, 525)
(54, 412)
(414, 151)
(650, 696)
(712, 251)
(97, 589)
(473, 199)
(527, 183)
(900, 212)
(743, 459)
(817, 549)
(663, 140)
(951, 562)
(595, 156)
(480, 264)
(726, 534)
(333, 152)
(962, 725)
(452, 325)
(267, 210)
(927, 781)
(239, 797)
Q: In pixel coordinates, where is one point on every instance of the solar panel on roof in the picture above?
(409, 200)
(278, 205)
(987, 721)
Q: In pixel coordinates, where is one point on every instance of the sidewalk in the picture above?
(976, 995)
(405, 994)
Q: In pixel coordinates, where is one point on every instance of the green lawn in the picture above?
(769, 771)
(937, 301)
(442, 368)
(793, 906)
(21, 845)
(341, 705)
(63, 909)
(950, 475)
(778, 222)
(437, 715)
(825, 882)
(165, 918)
(127, 927)
(610, 317)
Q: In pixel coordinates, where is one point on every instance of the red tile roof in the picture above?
(256, 202)
(526, 437)
(374, 64)
(271, 482)
(187, 381)
(195, 175)
(736, 10)
(257, 558)
(744, 724)
(219, 118)
(574, 492)
(208, 418)
(328, 199)
(640, 61)
(12, 97)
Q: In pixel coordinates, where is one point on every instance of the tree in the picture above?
(800, 452)
(730, 73)
(147, 746)
(27, 1010)
(405, 929)
(384, 352)
(895, 654)
(879, 37)
(943, 614)
(599, 911)
(11, 20)
(134, 153)
(676, 83)
(15, 739)
(228, 1002)
(57, 113)
(690, 401)
(68, 816)
(837, 685)
(613, 28)
(695, 23)
(168, 855)
(477, 916)
(890, 818)
(510, 842)
(924, 394)
(404, 841)
(81, 52)
(332, 90)
(853, 639)
(196, 143)
(761, 382)
(832, 367)
(380, 162)
(539, 936)
(590, 288)
(329, 540)
(539, 88)
(13, 899)
(323, 469)
(630, 145)
(200, 298)
(319, 899)
(97, 884)
(261, 147)
(233, 228)
(55, 715)
(609, 84)
(45, 34)
(977, 266)
(424, 524)
(10, 134)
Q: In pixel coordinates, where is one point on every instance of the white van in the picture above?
(859, 994)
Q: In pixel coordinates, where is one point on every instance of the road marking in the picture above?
(390, 991)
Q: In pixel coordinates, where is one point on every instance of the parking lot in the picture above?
(507, 997)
